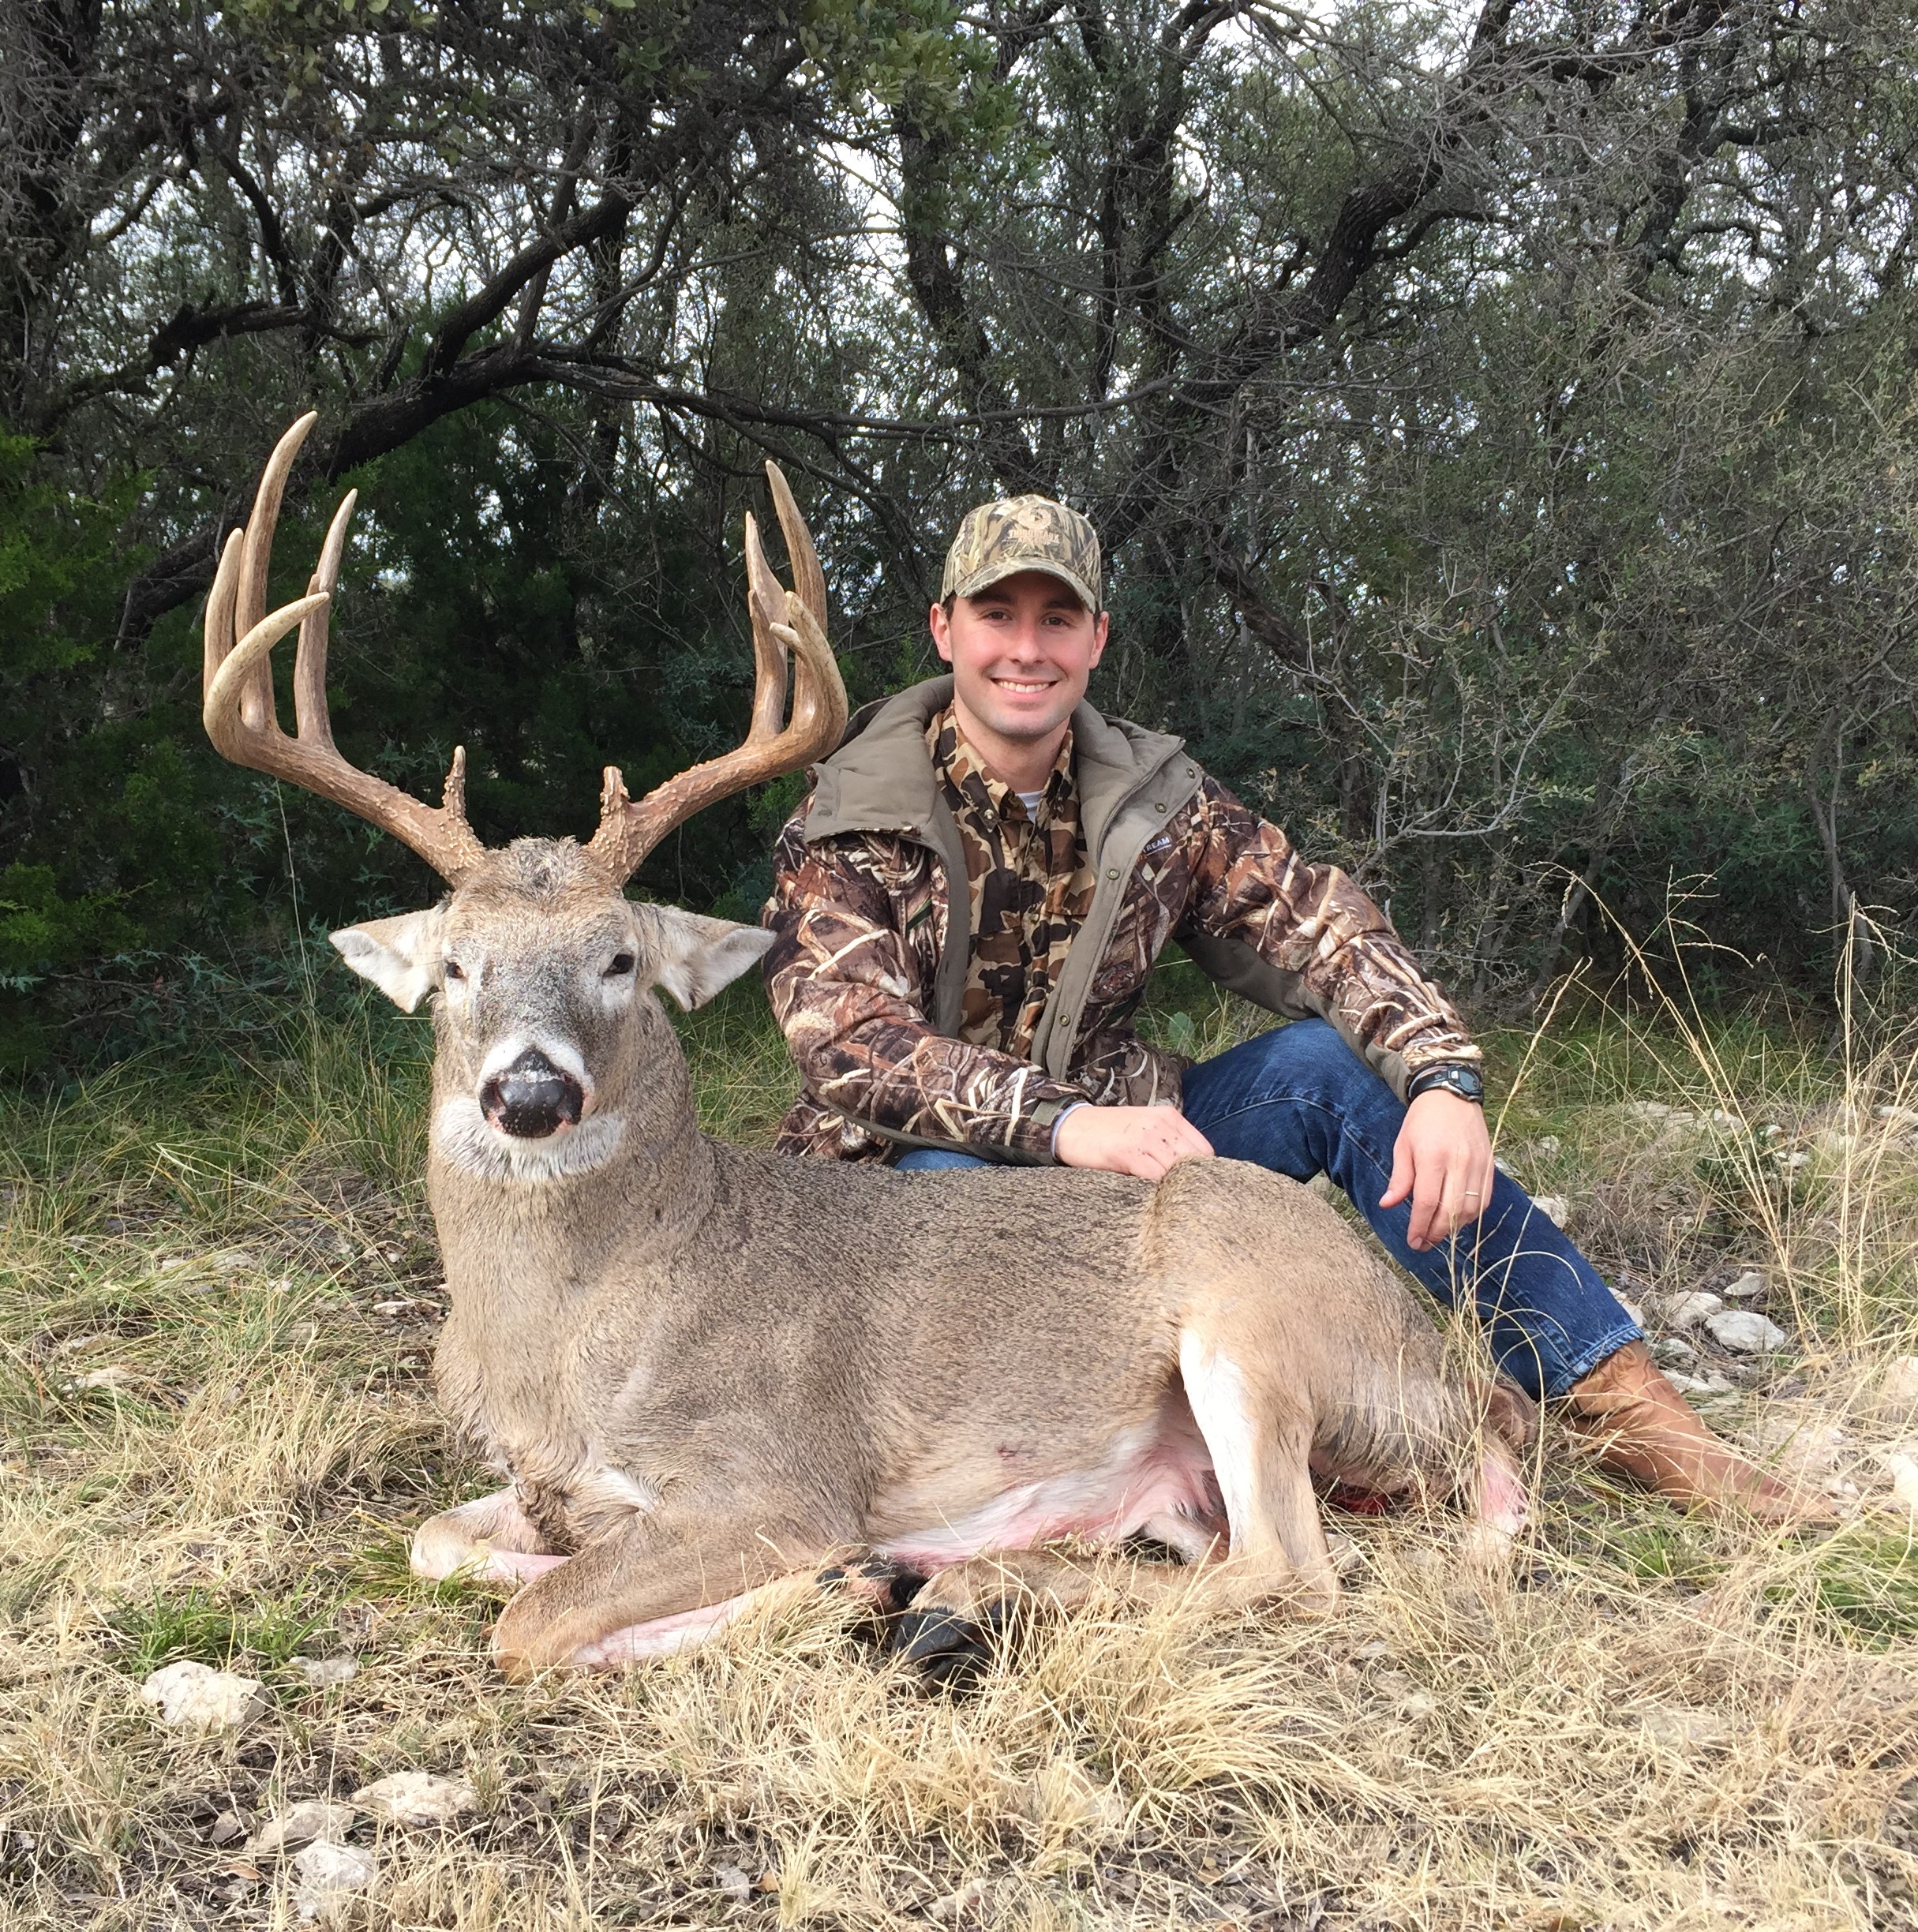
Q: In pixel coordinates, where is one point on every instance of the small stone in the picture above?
(109, 1379)
(1793, 1161)
(1749, 1285)
(228, 1827)
(229, 1261)
(1063, 1797)
(1688, 1310)
(1555, 1207)
(1903, 1467)
(1417, 1704)
(391, 1307)
(1897, 1388)
(1673, 1352)
(955, 1905)
(329, 1875)
(1730, 1122)
(417, 1798)
(195, 1698)
(1682, 1729)
(1548, 1145)
(322, 1671)
(313, 1821)
(1746, 1332)
(732, 1884)
(1630, 1307)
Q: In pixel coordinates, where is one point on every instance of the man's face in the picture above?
(1022, 653)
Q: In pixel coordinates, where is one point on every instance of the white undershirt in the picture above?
(1030, 801)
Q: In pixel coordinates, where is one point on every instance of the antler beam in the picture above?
(237, 702)
(786, 623)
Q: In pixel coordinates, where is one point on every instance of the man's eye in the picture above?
(621, 964)
(454, 970)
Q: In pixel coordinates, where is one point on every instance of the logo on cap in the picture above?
(998, 540)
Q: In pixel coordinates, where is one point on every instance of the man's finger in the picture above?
(1402, 1176)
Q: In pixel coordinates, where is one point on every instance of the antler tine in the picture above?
(766, 599)
(784, 622)
(311, 717)
(237, 705)
(808, 579)
(257, 562)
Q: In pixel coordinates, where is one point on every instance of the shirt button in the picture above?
(1112, 872)
(1160, 807)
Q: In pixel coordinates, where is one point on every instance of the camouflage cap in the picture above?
(998, 540)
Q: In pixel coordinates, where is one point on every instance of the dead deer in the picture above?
(706, 1371)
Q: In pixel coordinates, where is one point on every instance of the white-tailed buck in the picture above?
(704, 1371)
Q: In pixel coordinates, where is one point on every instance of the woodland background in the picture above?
(1502, 424)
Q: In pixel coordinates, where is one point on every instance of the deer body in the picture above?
(704, 1370)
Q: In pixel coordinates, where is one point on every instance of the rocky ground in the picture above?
(227, 1705)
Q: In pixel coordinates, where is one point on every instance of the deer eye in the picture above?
(622, 965)
(454, 970)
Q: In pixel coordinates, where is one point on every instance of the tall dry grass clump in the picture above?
(219, 1293)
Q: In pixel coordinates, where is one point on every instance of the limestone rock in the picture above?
(1746, 1332)
(417, 1798)
(195, 1698)
(1673, 1352)
(313, 1821)
(322, 1672)
(1903, 1465)
(1689, 1310)
(1682, 1729)
(1897, 1388)
(1555, 1207)
(1749, 1285)
(330, 1876)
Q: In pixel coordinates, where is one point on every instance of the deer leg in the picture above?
(1260, 1443)
(663, 1582)
(491, 1536)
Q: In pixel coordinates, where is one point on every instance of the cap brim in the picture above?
(986, 576)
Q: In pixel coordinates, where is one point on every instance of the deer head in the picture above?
(543, 969)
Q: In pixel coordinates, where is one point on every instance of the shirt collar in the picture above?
(961, 761)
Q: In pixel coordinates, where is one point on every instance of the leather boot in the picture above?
(1632, 1420)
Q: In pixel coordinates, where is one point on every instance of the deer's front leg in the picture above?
(491, 1536)
(662, 1582)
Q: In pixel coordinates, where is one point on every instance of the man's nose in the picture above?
(532, 1098)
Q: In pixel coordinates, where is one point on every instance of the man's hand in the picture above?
(1443, 1160)
(1141, 1141)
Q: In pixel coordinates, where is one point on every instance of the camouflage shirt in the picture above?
(872, 970)
(1027, 880)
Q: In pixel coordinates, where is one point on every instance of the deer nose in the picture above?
(532, 1098)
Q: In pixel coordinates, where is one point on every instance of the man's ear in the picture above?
(693, 957)
(401, 956)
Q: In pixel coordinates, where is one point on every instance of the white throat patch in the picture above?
(460, 1135)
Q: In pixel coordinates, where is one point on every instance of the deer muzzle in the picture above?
(532, 1098)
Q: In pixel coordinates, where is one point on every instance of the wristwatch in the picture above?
(1451, 1075)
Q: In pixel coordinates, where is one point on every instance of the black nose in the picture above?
(532, 1098)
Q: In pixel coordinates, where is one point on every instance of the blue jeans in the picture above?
(1299, 1101)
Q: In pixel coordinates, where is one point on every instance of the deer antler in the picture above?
(237, 703)
(783, 621)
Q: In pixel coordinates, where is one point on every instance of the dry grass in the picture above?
(1651, 1724)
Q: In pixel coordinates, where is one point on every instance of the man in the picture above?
(968, 906)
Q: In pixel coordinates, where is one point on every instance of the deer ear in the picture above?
(401, 956)
(693, 957)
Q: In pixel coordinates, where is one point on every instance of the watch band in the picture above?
(1454, 1077)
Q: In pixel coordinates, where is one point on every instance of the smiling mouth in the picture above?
(1022, 686)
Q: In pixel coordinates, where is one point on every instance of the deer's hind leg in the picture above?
(1259, 1434)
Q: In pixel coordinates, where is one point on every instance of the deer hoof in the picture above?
(951, 1650)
